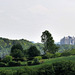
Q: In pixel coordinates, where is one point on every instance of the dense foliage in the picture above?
(57, 68)
(17, 51)
(33, 51)
(48, 42)
(6, 44)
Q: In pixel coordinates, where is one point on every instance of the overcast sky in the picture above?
(27, 19)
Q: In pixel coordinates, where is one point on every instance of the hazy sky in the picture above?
(27, 19)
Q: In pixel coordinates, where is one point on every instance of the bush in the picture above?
(7, 59)
(29, 63)
(64, 68)
(20, 59)
(65, 53)
(46, 70)
(48, 55)
(36, 61)
(30, 58)
(57, 54)
(14, 63)
(2, 64)
(58, 68)
(38, 57)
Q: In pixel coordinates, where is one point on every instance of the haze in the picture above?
(27, 19)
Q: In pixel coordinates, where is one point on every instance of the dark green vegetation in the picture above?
(65, 47)
(48, 42)
(53, 66)
(26, 58)
(6, 44)
(33, 51)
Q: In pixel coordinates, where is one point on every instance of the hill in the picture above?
(6, 44)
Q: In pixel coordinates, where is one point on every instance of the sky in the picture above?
(27, 19)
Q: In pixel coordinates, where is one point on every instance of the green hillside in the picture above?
(6, 44)
(46, 62)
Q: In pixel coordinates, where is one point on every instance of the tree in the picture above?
(48, 42)
(33, 51)
(17, 51)
(16, 46)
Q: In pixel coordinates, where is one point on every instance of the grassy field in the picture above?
(46, 61)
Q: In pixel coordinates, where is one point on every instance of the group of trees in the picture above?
(49, 46)
(18, 52)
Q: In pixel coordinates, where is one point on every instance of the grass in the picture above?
(46, 61)
(53, 60)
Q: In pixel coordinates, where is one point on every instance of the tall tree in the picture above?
(48, 42)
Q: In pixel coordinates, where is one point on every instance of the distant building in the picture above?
(68, 40)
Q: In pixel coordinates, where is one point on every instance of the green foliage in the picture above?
(48, 41)
(7, 59)
(17, 53)
(64, 68)
(38, 57)
(2, 64)
(57, 54)
(20, 59)
(33, 51)
(72, 52)
(48, 55)
(7, 44)
(26, 71)
(14, 63)
(46, 70)
(36, 61)
(58, 68)
(29, 63)
(65, 47)
(6, 72)
(16, 46)
(65, 53)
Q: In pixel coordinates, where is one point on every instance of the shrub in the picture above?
(29, 63)
(46, 70)
(48, 55)
(64, 68)
(65, 53)
(20, 59)
(58, 68)
(14, 63)
(36, 61)
(30, 58)
(38, 57)
(57, 54)
(7, 59)
(2, 64)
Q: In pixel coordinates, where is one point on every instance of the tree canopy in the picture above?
(33, 51)
(48, 42)
(17, 51)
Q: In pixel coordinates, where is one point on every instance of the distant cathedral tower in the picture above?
(68, 40)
